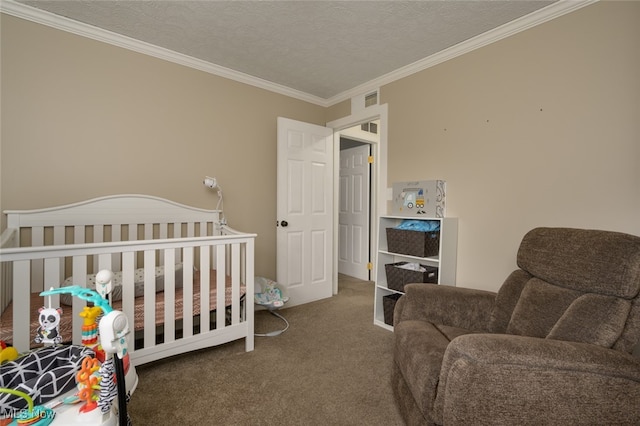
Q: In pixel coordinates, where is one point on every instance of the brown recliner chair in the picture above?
(554, 345)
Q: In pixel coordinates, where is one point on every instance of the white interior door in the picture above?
(353, 218)
(304, 259)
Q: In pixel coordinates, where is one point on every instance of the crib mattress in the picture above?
(136, 323)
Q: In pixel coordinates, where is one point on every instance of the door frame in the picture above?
(367, 208)
(379, 191)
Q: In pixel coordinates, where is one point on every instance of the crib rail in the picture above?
(41, 248)
(231, 255)
(113, 218)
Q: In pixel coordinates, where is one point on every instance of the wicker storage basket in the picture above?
(388, 305)
(413, 243)
(398, 277)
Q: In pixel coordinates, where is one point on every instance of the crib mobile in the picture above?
(110, 330)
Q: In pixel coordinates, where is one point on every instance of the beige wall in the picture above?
(82, 119)
(339, 110)
(540, 129)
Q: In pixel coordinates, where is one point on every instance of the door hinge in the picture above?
(371, 159)
(370, 266)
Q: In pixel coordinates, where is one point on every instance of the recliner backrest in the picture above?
(574, 284)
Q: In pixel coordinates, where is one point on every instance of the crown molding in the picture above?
(555, 10)
(49, 19)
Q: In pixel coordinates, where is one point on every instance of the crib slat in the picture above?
(249, 283)
(58, 240)
(163, 231)
(79, 269)
(37, 236)
(37, 240)
(116, 235)
(187, 292)
(21, 297)
(58, 235)
(133, 236)
(221, 274)
(98, 233)
(98, 237)
(169, 295)
(148, 231)
(52, 278)
(205, 283)
(162, 234)
(128, 290)
(235, 284)
(149, 298)
(78, 234)
(177, 233)
(103, 261)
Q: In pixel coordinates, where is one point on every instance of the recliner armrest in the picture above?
(510, 379)
(446, 305)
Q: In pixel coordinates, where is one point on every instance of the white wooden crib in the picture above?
(165, 254)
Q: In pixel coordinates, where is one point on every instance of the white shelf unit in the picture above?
(445, 261)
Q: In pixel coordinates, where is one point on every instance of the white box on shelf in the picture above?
(424, 198)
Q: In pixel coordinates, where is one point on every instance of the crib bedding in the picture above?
(116, 282)
(136, 323)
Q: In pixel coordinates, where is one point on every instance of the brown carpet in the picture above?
(331, 367)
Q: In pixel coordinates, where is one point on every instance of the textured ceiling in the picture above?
(321, 48)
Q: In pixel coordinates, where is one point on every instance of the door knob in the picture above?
(284, 223)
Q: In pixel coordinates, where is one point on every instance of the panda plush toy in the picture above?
(49, 320)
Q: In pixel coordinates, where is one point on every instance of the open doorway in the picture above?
(378, 189)
(354, 200)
